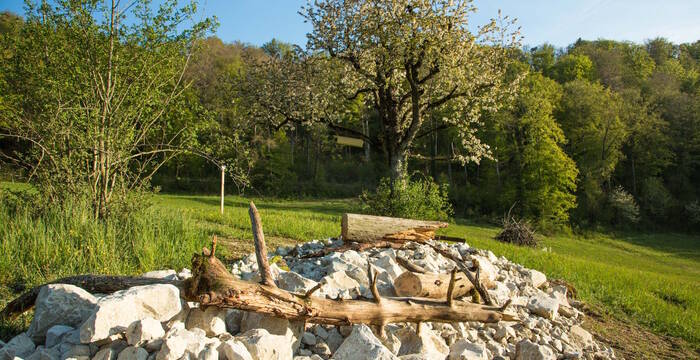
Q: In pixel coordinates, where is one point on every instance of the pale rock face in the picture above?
(388, 264)
(580, 336)
(543, 305)
(294, 282)
(361, 345)
(114, 313)
(527, 350)
(234, 350)
(463, 349)
(354, 258)
(535, 278)
(264, 346)
(487, 269)
(133, 353)
(334, 283)
(501, 293)
(334, 339)
(55, 333)
(143, 331)
(43, 353)
(275, 326)
(209, 353)
(212, 320)
(427, 343)
(20, 346)
(60, 304)
(110, 351)
(504, 332)
(161, 274)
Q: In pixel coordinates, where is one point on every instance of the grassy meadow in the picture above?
(651, 279)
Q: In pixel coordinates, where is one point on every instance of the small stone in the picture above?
(43, 353)
(580, 336)
(527, 350)
(20, 346)
(233, 321)
(161, 274)
(264, 346)
(543, 305)
(504, 332)
(463, 349)
(294, 282)
(55, 333)
(361, 345)
(345, 330)
(208, 353)
(212, 320)
(535, 278)
(114, 313)
(59, 304)
(110, 351)
(334, 339)
(143, 331)
(427, 343)
(133, 353)
(308, 338)
(322, 349)
(234, 350)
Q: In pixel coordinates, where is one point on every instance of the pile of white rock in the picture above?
(152, 322)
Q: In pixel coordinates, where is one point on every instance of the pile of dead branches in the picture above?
(516, 231)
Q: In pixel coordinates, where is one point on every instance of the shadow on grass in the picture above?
(680, 245)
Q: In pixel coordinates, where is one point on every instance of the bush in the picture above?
(415, 199)
(656, 200)
(693, 211)
(518, 232)
(625, 208)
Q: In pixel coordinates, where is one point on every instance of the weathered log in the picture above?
(368, 228)
(430, 285)
(473, 278)
(212, 285)
(103, 284)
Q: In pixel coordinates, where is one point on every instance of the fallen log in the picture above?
(369, 228)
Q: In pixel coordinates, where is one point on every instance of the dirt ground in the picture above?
(631, 341)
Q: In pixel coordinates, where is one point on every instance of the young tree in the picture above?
(99, 94)
(412, 58)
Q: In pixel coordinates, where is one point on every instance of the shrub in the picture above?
(693, 211)
(416, 199)
(656, 200)
(624, 206)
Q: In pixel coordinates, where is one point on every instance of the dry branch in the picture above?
(260, 249)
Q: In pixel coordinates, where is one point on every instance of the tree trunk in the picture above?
(398, 166)
(369, 228)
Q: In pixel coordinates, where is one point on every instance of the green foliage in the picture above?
(656, 200)
(625, 207)
(573, 67)
(416, 199)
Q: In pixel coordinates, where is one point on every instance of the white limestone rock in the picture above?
(161, 274)
(59, 304)
(543, 305)
(335, 283)
(274, 325)
(114, 313)
(20, 346)
(234, 350)
(362, 344)
(133, 353)
(294, 282)
(212, 320)
(580, 336)
(427, 344)
(264, 346)
(527, 350)
(55, 333)
(463, 349)
(142, 331)
(535, 278)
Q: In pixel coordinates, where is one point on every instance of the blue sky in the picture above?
(559, 22)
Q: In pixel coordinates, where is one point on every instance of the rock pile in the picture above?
(152, 322)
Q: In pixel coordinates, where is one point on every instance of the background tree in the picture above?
(412, 58)
(101, 101)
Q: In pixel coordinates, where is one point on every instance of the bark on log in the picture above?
(368, 228)
(431, 285)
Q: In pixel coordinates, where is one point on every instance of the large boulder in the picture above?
(427, 344)
(362, 344)
(59, 304)
(580, 336)
(463, 349)
(20, 346)
(543, 305)
(114, 313)
(527, 350)
(337, 283)
(264, 346)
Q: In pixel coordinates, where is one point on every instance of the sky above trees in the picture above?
(558, 22)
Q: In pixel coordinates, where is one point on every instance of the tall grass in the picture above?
(69, 241)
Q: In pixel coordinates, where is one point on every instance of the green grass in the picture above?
(652, 279)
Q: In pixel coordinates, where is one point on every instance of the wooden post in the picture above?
(223, 176)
